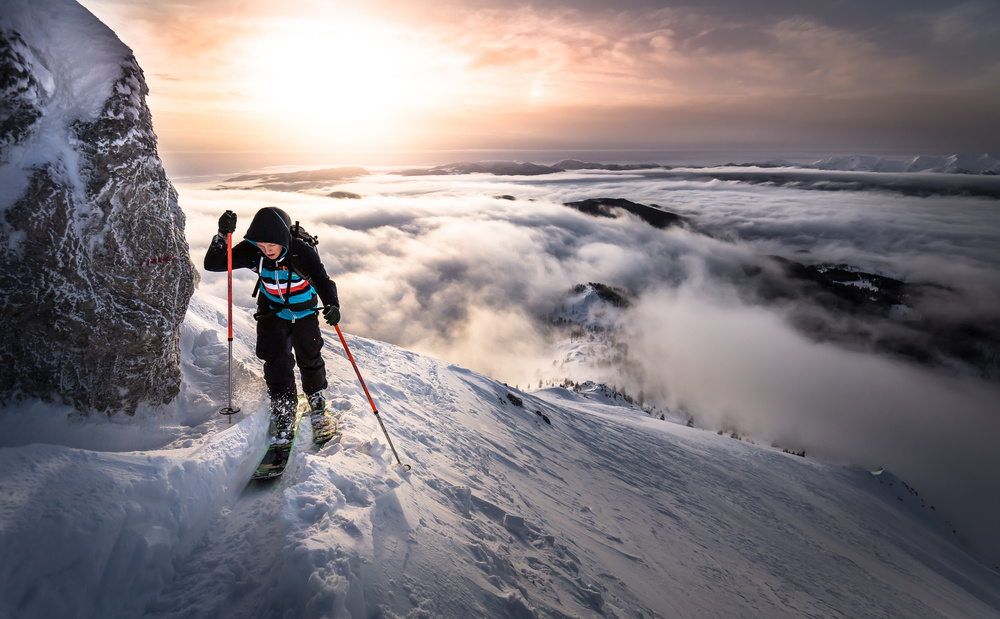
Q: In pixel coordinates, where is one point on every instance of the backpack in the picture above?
(299, 233)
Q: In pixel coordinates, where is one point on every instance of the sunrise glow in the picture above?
(350, 83)
(425, 75)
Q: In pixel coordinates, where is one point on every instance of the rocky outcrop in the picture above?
(606, 207)
(96, 273)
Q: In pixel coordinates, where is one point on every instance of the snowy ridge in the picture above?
(592, 358)
(541, 504)
(952, 164)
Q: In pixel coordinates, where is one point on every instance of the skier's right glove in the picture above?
(332, 315)
(227, 223)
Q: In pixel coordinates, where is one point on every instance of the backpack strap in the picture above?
(297, 234)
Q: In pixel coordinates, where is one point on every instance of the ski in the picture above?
(324, 428)
(324, 425)
(278, 453)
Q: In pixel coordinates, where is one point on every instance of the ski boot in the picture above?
(323, 426)
(283, 416)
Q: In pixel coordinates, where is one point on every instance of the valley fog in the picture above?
(471, 269)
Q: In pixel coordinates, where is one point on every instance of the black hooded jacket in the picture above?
(270, 225)
(297, 260)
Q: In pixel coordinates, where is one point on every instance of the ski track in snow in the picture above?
(603, 511)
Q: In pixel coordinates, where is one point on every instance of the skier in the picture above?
(290, 275)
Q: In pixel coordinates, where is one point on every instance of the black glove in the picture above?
(227, 223)
(332, 315)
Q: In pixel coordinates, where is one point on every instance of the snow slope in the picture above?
(544, 504)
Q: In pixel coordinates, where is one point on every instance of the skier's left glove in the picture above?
(227, 223)
(332, 315)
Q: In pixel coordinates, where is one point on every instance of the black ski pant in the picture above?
(277, 338)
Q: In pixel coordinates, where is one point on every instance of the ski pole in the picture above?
(229, 410)
(370, 401)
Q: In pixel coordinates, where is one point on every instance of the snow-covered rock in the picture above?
(955, 164)
(95, 267)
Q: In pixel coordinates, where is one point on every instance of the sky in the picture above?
(358, 79)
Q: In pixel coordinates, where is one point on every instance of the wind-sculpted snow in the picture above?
(95, 268)
(90, 533)
(602, 512)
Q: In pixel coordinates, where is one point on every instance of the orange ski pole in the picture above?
(370, 401)
(229, 410)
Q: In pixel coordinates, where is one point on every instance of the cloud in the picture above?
(744, 369)
(418, 258)
(421, 269)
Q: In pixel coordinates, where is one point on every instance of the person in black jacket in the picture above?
(291, 278)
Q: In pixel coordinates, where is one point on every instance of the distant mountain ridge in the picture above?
(952, 164)
(984, 163)
(497, 168)
(576, 164)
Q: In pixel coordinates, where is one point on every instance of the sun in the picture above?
(353, 83)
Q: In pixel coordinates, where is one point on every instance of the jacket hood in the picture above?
(270, 225)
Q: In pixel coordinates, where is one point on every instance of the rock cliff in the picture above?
(95, 270)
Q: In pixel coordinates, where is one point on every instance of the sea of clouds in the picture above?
(452, 266)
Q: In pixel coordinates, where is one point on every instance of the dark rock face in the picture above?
(609, 294)
(95, 268)
(20, 92)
